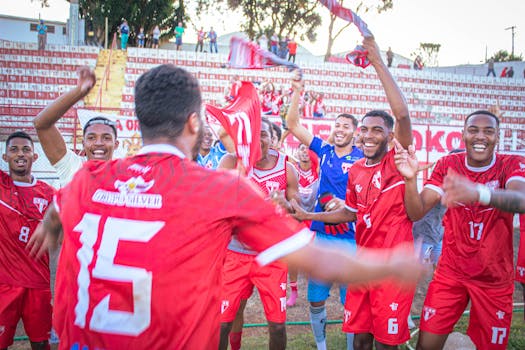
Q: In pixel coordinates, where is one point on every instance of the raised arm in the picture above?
(50, 138)
(46, 234)
(396, 99)
(292, 118)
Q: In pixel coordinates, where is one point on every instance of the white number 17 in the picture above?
(476, 226)
(115, 230)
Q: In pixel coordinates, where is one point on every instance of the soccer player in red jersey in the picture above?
(375, 191)
(24, 282)
(482, 189)
(144, 238)
(277, 180)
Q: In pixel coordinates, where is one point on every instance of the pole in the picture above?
(106, 34)
(513, 32)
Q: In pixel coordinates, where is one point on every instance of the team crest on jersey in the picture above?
(224, 306)
(493, 184)
(394, 306)
(134, 185)
(500, 314)
(428, 312)
(346, 167)
(376, 180)
(521, 270)
(347, 315)
(40, 203)
(358, 188)
(272, 186)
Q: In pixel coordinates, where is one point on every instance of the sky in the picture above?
(466, 29)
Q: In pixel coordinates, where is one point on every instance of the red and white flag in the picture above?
(245, 54)
(242, 121)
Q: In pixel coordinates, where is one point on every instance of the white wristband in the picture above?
(484, 194)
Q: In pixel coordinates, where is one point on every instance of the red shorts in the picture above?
(33, 306)
(490, 311)
(240, 274)
(520, 263)
(381, 309)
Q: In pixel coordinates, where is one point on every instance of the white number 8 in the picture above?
(115, 230)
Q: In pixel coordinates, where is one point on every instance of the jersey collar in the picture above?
(480, 169)
(162, 148)
(26, 184)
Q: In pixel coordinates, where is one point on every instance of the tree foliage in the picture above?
(270, 16)
(362, 7)
(138, 13)
(429, 52)
(504, 56)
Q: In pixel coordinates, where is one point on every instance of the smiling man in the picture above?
(100, 134)
(482, 189)
(24, 282)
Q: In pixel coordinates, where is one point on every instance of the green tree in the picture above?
(429, 53)
(270, 16)
(138, 13)
(361, 8)
(504, 56)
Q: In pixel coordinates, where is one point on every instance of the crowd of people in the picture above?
(163, 249)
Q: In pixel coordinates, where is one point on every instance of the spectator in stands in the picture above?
(263, 42)
(389, 57)
(212, 35)
(418, 63)
(156, 37)
(201, 35)
(179, 30)
(510, 72)
(283, 47)
(274, 43)
(41, 29)
(99, 134)
(491, 68)
(292, 49)
(124, 34)
(318, 109)
(503, 73)
(141, 37)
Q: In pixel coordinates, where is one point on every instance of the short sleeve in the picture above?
(518, 170)
(317, 145)
(67, 167)
(436, 179)
(351, 197)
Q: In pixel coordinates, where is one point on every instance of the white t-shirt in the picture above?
(68, 166)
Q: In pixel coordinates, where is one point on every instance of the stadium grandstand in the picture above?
(438, 100)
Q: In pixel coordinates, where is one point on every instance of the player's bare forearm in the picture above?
(54, 111)
(292, 117)
(508, 200)
(413, 204)
(330, 217)
(46, 235)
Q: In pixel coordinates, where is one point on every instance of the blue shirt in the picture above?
(212, 159)
(333, 179)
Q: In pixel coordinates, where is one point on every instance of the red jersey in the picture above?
(520, 263)
(477, 243)
(268, 181)
(308, 186)
(22, 207)
(144, 244)
(376, 193)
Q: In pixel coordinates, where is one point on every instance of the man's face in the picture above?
(207, 139)
(266, 138)
(481, 135)
(343, 131)
(302, 154)
(99, 142)
(19, 156)
(375, 137)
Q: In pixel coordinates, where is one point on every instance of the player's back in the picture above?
(144, 244)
